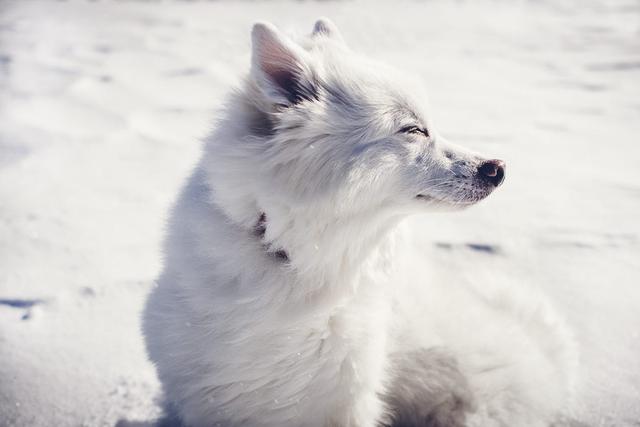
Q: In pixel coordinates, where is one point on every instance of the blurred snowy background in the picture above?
(102, 105)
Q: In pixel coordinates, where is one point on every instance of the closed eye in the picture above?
(412, 129)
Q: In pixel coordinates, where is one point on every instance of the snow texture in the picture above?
(103, 106)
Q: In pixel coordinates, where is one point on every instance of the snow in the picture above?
(102, 107)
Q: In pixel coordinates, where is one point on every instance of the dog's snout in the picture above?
(492, 171)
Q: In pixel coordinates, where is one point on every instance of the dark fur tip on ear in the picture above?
(325, 27)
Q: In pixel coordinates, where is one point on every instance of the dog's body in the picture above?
(283, 303)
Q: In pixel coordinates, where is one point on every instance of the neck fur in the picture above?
(330, 253)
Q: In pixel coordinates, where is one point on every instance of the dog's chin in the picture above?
(443, 203)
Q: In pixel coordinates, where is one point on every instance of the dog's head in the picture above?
(329, 130)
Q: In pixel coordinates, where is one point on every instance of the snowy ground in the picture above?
(102, 105)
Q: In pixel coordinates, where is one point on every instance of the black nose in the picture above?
(492, 171)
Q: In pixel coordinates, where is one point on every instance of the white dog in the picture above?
(283, 300)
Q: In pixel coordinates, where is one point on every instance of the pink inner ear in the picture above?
(276, 58)
(281, 65)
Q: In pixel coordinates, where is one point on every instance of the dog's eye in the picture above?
(415, 130)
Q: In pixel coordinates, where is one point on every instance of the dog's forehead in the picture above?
(359, 85)
(372, 89)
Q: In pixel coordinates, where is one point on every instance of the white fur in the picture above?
(337, 334)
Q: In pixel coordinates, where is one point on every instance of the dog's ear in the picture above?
(280, 67)
(325, 28)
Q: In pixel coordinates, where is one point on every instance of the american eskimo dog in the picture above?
(282, 301)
